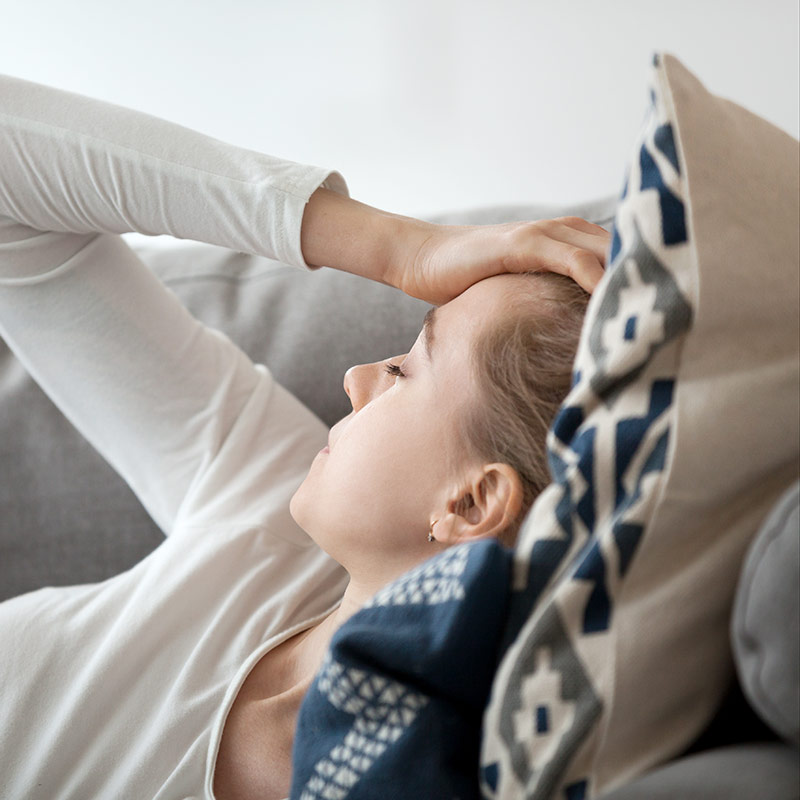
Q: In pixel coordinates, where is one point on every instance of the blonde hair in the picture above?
(523, 369)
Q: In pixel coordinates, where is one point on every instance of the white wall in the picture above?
(424, 105)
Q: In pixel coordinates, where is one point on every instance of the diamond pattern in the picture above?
(383, 710)
(432, 583)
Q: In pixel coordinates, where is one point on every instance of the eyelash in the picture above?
(395, 371)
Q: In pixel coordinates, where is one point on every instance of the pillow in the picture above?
(679, 435)
(395, 711)
(680, 432)
(766, 619)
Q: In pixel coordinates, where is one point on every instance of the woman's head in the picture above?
(451, 433)
(522, 363)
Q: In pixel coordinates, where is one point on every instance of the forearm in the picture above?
(74, 164)
(347, 235)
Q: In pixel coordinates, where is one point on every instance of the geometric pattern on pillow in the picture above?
(396, 709)
(610, 620)
(382, 710)
(679, 432)
(608, 452)
(427, 635)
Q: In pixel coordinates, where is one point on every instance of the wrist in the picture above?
(344, 234)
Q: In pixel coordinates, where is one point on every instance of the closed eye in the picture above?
(395, 371)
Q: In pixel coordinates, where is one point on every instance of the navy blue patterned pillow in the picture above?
(610, 625)
(679, 434)
(396, 710)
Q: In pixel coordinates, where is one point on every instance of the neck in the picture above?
(315, 641)
(355, 597)
(312, 643)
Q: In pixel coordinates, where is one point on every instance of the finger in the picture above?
(583, 225)
(586, 270)
(587, 236)
(580, 265)
(597, 244)
(584, 266)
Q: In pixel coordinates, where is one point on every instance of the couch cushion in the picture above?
(745, 772)
(679, 435)
(765, 627)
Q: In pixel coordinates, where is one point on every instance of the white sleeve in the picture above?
(69, 163)
(157, 393)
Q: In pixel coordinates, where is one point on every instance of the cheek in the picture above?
(374, 480)
(377, 469)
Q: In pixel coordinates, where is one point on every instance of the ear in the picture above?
(489, 503)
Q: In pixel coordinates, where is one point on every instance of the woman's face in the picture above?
(395, 461)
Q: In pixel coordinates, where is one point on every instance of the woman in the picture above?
(183, 676)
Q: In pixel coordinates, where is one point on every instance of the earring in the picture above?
(431, 537)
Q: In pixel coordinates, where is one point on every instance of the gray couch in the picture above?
(65, 517)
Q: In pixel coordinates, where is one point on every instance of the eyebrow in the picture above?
(427, 331)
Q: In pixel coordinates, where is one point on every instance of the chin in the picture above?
(296, 507)
(301, 508)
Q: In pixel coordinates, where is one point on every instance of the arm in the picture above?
(438, 262)
(153, 391)
(174, 407)
(74, 164)
(128, 171)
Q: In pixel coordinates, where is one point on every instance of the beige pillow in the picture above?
(680, 434)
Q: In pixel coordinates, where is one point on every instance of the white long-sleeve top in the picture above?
(121, 689)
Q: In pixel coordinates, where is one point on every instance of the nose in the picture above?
(362, 384)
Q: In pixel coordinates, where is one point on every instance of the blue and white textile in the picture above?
(610, 624)
(396, 708)
(679, 434)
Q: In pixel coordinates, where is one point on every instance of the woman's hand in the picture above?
(437, 262)
(452, 258)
